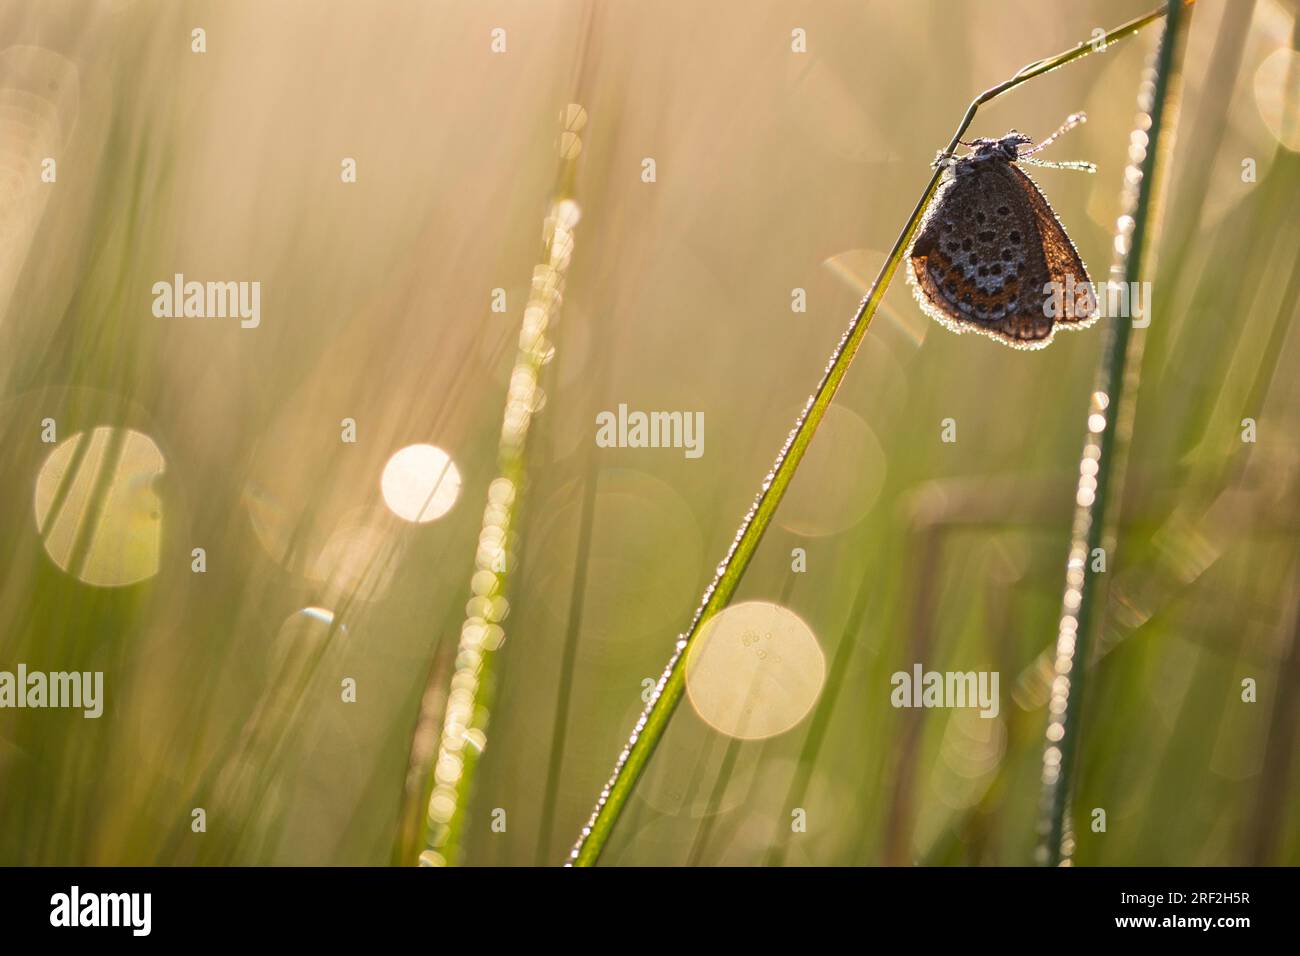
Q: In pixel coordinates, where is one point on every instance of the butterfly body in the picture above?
(991, 257)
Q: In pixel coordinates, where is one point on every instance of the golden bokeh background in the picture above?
(401, 303)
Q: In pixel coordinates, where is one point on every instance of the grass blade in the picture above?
(447, 772)
(1109, 423)
(668, 691)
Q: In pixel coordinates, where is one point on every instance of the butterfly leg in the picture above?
(943, 159)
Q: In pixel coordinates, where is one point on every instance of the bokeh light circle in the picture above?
(1277, 91)
(420, 483)
(97, 506)
(839, 480)
(754, 671)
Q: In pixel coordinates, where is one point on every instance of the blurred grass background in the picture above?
(774, 171)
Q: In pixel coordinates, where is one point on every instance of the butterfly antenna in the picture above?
(1069, 164)
(1071, 121)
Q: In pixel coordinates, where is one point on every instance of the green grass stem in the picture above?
(654, 719)
(1109, 418)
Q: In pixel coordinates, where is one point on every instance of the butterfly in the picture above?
(991, 257)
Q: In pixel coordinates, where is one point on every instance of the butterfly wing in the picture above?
(975, 265)
(1064, 265)
(928, 265)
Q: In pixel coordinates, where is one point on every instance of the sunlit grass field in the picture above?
(314, 652)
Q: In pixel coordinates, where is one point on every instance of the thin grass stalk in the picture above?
(820, 724)
(1266, 829)
(668, 691)
(1109, 423)
(704, 834)
(568, 660)
(448, 776)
